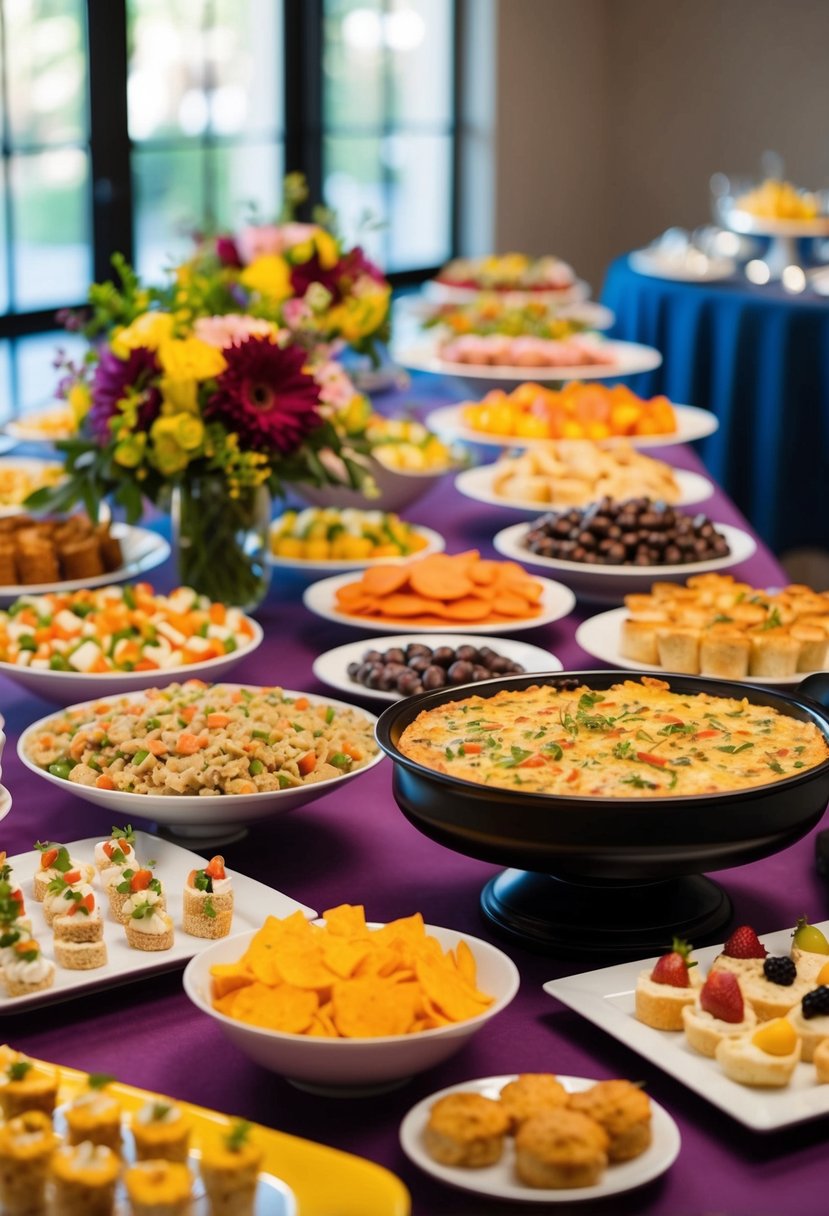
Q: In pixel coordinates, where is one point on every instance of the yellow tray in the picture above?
(325, 1181)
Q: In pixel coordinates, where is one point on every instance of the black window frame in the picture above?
(111, 188)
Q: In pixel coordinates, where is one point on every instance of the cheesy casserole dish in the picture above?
(635, 739)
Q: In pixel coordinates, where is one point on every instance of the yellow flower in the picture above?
(129, 452)
(268, 276)
(149, 330)
(79, 400)
(178, 396)
(327, 249)
(168, 456)
(190, 359)
(188, 431)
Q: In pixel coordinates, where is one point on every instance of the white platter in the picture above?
(27, 429)
(447, 293)
(5, 802)
(477, 484)
(588, 312)
(68, 687)
(611, 584)
(692, 423)
(252, 903)
(207, 813)
(606, 998)
(331, 668)
(27, 464)
(499, 1181)
(142, 549)
(556, 602)
(681, 270)
(757, 225)
(318, 569)
(599, 636)
(630, 358)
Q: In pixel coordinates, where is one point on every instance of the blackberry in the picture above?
(780, 970)
(816, 1003)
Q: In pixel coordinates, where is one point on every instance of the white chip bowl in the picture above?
(346, 1067)
(69, 687)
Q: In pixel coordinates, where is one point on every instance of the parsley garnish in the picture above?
(18, 1070)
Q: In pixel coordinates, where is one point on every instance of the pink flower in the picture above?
(266, 396)
(255, 242)
(295, 312)
(335, 386)
(232, 327)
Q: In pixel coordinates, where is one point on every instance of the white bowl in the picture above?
(315, 568)
(610, 584)
(191, 813)
(349, 1066)
(69, 687)
(398, 488)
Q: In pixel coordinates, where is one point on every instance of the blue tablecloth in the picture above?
(759, 358)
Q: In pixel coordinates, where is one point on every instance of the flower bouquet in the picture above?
(212, 393)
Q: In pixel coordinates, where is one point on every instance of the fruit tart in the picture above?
(766, 1057)
(742, 954)
(810, 1020)
(719, 1012)
(663, 992)
(810, 949)
(776, 990)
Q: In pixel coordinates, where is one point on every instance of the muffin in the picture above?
(466, 1129)
(530, 1094)
(623, 1110)
(560, 1148)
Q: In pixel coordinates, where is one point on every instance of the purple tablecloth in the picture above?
(356, 846)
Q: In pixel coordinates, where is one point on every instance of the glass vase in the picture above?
(220, 543)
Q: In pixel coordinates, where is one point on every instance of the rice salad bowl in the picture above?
(202, 753)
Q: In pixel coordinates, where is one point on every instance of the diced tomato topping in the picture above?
(88, 902)
(216, 868)
(707, 734)
(72, 876)
(572, 775)
(783, 751)
(140, 880)
(48, 858)
(670, 718)
(472, 749)
(536, 761)
(649, 758)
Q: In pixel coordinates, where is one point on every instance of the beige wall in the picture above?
(612, 115)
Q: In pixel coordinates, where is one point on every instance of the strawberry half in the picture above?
(672, 968)
(744, 943)
(720, 996)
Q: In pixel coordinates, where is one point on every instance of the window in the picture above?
(131, 124)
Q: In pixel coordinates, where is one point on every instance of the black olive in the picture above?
(408, 683)
(372, 656)
(420, 662)
(434, 677)
(469, 654)
(443, 656)
(481, 673)
(460, 672)
(395, 655)
(499, 666)
(415, 648)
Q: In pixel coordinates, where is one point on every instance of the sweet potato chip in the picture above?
(345, 980)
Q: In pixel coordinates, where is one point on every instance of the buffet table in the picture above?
(756, 356)
(355, 846)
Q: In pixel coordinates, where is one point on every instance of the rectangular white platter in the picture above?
(253, 901)
(606, 998)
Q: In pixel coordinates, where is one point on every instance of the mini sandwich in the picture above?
(208, 901)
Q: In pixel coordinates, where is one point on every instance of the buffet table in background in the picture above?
(759, 358)
(355, 846)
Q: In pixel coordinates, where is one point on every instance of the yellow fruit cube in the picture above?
(777, 1037)
(288, 546)
(317, 549)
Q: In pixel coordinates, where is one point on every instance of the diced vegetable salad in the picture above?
(126, 628)
(196, 738)
(327, 534)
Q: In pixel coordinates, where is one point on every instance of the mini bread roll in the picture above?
(725, 655)
(678, 649)
(638, 640)
(814, 647)
(466, 1129)
(531, 1093)
(560, 1148)
(623, 1110)
(81, 559)
(773, 654)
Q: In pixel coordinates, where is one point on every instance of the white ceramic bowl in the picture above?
(188, 813)
(313, 568)
(398, 489)
(69, 687)
(349, 1066)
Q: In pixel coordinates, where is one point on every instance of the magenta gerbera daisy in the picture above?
(113, 379)
(266, 396)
